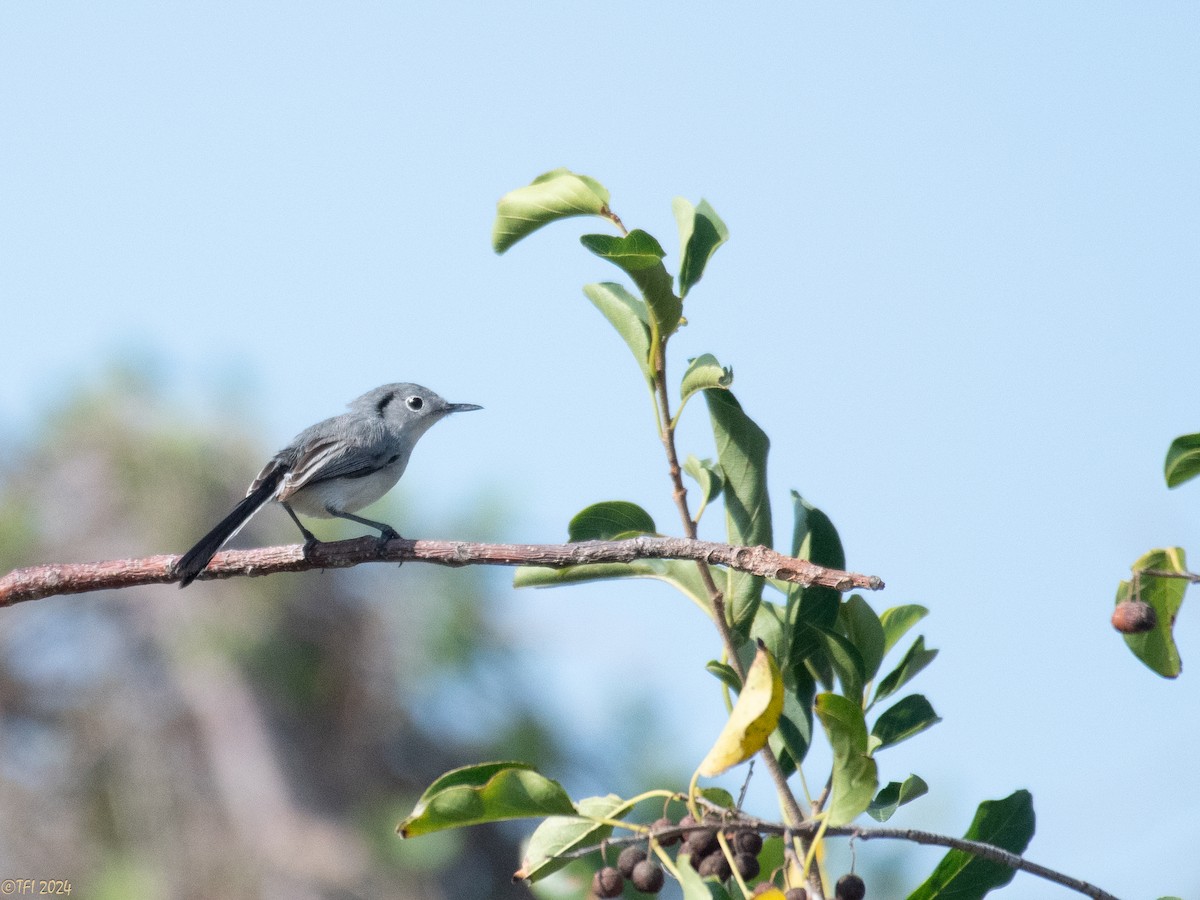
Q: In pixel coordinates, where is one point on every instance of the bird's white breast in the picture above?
(347, 494)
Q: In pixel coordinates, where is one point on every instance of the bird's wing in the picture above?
(354, 449)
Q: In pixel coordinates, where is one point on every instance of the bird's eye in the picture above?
(414, 403)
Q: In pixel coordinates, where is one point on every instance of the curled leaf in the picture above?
(754, 716)
(894, 795)
(708, 475)
(1183, 460)
(701, 232)
(1157, 648)
(487, 792)
(559, 835)
(702, 373)
(554, 195)
(639, 255)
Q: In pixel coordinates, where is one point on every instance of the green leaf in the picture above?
(639, 255)
(680, 574)
(793, 734)
(908, 717)
(724, 673)
(559, 835)
(694, 887)
(895, 795)
(628, 315)
(708, 475)
(896, 622)
(864, 630)
(1006, 823)
(703, 373)
(554, 195)
(1183, 460)
(847, 663)
(742, 452)
(632, 252)
(1157, 648)
(916, 659)
(768, 627)
(855, 776)
(813, 538)
(701, 232)
(488, 792)
(771, 857)
(609, 521)
(718, 796)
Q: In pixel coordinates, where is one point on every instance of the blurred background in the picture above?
(959, 295)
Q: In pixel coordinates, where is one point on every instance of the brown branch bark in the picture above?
(810, 828)
(36, 582)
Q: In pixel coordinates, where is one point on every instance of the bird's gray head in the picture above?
(408, 406)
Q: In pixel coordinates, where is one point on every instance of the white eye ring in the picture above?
(414, 403)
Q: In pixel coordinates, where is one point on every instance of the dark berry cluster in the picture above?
(700, 847)
(635, 864)
(706, 856)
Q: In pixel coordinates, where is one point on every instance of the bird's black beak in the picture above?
(461, 407)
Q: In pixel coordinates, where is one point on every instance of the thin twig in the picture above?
(808, 830)
(36, 582)
(616, 220)
(1190, 577)
(787, 798)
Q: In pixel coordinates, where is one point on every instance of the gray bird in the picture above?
(335, 468)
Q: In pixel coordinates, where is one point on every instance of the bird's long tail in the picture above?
(195, 560)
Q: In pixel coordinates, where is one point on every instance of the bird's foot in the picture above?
(386, 534)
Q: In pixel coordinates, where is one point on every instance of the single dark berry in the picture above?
(850, 887)
(747, 841)
(629, 858)
(608, 882)
(1134, 617)
(664, 824)
(648, 876)
(715, 864)
(700, 842)
(747, 865)
(795, 894)
(695, 858)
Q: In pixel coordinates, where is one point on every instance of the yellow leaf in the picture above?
(771, 894)
(754, 716)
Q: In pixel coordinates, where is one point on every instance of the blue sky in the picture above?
(960, 296)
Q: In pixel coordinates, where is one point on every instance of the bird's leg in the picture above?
(310, 539)
(386, 532)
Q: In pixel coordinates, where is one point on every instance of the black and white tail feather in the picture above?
(195, 560)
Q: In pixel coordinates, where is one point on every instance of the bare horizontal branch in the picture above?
(36, 582)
